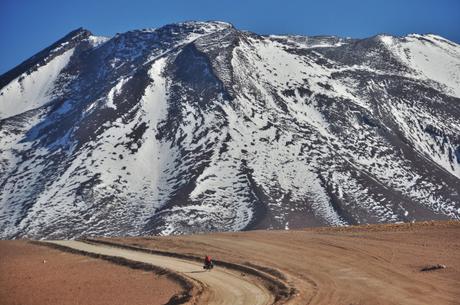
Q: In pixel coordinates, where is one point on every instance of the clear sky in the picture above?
(27, 26)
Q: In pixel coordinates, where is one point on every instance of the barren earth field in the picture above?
(38, 275)
(378, 264)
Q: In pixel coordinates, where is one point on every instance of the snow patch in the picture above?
(31, 91)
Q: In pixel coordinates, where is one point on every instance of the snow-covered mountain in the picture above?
(199, 126)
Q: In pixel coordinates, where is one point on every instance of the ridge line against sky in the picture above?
(28, 26)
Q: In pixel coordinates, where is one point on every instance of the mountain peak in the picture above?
(218, 23)
(79, 32)
(198, 127)
(74, 35)
(65, 43)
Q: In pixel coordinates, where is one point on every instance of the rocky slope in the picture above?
(199, 126)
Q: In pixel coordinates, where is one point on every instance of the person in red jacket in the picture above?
(208, 262)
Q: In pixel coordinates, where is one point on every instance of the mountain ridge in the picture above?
(199, 126)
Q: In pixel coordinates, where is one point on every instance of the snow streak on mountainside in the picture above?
(198, 127)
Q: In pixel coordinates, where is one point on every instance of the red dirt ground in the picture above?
(377, 264)
(70, 279)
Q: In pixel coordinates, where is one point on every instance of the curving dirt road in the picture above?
(223, 287)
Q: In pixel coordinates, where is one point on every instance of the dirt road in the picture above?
(222, 285)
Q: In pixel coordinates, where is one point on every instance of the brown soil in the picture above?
(69, 279)
(379, 264)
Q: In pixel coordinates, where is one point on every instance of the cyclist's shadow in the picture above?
(197, 271)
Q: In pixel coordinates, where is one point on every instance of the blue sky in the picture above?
(27, 26)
